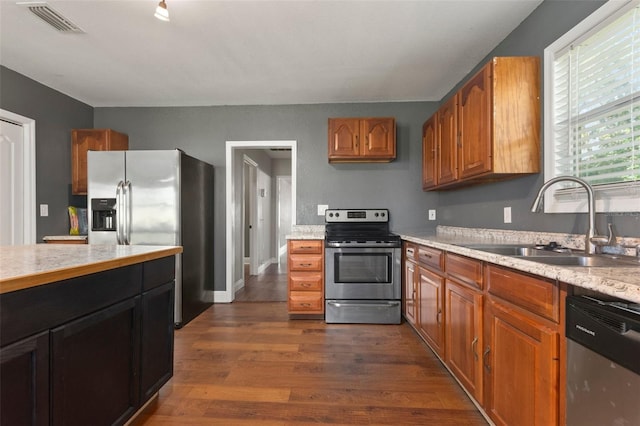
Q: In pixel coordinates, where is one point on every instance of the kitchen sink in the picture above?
(560, 257)
(593, 261)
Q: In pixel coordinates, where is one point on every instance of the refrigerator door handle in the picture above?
(119, 212)
(127, 210)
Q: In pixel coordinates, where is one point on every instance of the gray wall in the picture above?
(203, 131)
(482, 206)
(55, 115)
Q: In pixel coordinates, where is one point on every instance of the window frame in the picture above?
(623, 197)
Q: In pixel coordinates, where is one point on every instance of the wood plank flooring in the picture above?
(270, 286)
(248, 364)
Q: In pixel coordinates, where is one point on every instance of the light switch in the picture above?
(432, 214)
(322, 208)
(44, 210)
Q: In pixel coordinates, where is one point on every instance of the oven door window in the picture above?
(363, 268)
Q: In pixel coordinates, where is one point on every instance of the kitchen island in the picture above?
(86, 331)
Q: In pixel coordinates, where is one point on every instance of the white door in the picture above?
(12, 187)
(283, 225)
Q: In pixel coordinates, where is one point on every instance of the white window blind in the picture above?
(596, 104)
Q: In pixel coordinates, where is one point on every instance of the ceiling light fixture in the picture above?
(161, 11)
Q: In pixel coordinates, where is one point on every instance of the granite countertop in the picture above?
(306, 232)
(621, 282)
(32, 265)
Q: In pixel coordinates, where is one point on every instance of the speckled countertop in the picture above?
(621, 282)
(31, 265)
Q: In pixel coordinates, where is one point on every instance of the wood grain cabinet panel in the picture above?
(429, 153)
(431, 309)
(410, 283)
(83, 140)
(464, 336)
(305, 265)
(521, 362)
(464, 269)
(490, 129)
(362, 139)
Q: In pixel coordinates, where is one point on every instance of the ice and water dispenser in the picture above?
(104, 214)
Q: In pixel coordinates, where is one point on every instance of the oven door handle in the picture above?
(363, 305)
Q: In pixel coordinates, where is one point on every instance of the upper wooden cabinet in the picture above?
(362, 139)
(490, 129)
(83, 140)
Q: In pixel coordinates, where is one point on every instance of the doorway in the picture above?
(236, 208)
(17, 180)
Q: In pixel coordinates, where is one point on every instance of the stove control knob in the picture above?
(337, 214)
(330, 214)
(383, 214)
(377, 214)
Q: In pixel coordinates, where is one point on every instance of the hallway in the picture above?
(248, 364)
(270, 286)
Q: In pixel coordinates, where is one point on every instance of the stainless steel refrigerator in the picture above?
(157, 198)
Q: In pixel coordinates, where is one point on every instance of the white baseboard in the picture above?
(221, 296)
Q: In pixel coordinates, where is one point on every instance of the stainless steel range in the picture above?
(362, 268)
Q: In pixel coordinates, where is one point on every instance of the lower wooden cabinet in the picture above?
(89, 350)
(501, 336)
(522, 367)
(305, 265)
(410, 284)
(431, 309)
(24, 381)
(464, 339)
(95, 359)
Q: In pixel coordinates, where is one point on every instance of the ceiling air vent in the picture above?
(52, 17)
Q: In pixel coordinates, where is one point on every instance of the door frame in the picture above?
(253, 220)
(232, 223)
(29, 172)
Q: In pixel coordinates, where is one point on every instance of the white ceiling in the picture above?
(265, 52)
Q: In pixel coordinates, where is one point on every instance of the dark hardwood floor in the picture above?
(248, 364)
(270, 286)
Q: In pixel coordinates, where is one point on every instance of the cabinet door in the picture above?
(156, 354)
(410, 292)
(83, 140)
(447, 139)
(521, 368)
(463, 328)
(429, 153)
(474, 124)
(430, 312)
(344, 137)
(95, 367)
(24, 381)
(379, 138)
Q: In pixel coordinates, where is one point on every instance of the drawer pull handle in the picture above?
(305, 284)
(306, 265)
(306, 305)
(410, 251)
(306, 247)
(438, 315)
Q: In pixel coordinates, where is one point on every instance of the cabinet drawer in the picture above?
(306, 301)
(410, 251)
(428, 256)
(305, 246)
(305, 262)
(536, 295)
(305, 281)
(464, 269)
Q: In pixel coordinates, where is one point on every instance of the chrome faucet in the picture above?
(591, 236)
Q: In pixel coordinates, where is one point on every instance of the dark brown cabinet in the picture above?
(429, 153)
(95, 367)
(446, 142)
(410, 284)
(431, 309)
(362, 139)
(87, 350)
(83, 140)
(305, 265)
(24, 381)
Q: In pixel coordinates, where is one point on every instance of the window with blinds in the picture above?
(593, 130)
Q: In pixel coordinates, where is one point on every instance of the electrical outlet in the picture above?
(432, 214)
(44, 210)
(507, 215)
(322, 208)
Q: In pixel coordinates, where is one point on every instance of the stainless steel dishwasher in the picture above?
(603, 362)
